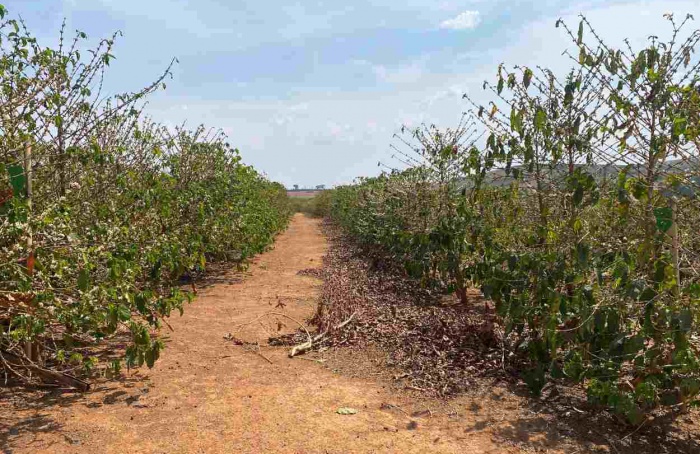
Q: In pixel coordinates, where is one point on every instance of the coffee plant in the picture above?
(571, 202)
(103, 212)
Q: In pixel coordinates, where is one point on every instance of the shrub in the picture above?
(103, 212)
(576, 216)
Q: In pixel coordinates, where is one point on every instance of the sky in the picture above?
(313, 92)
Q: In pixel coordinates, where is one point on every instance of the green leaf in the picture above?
(499, 88)
(579, 38)
(540, 119)
(140, 300)
(664, 218)
(637, 188)
(516, 120)
(535, 380)
(569, 93)
(123, 313)
(527, 77)
(573, 367)
(150, 358)
(679, 126)
(83, 280)
(18, 179)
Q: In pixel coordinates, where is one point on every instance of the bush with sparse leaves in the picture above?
(103, 212)
(576, 215)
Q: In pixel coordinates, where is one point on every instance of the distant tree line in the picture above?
(319, 187)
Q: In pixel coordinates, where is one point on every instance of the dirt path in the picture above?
(207, 395)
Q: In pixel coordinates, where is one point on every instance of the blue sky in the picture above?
(312, 92)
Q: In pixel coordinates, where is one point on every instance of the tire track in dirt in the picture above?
(207, 395)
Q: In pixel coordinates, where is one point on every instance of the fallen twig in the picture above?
(306, 346)
(320, 361)
(255, 348)
(414, 388)
(301, 325)
(387, 406)
(634, 431)
(263, 356)
(59, 377)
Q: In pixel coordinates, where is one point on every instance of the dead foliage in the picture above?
(441, 345)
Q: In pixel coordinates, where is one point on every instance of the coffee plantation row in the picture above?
(104, 212)
(570, 201)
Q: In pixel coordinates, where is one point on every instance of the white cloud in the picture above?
(464, 21)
